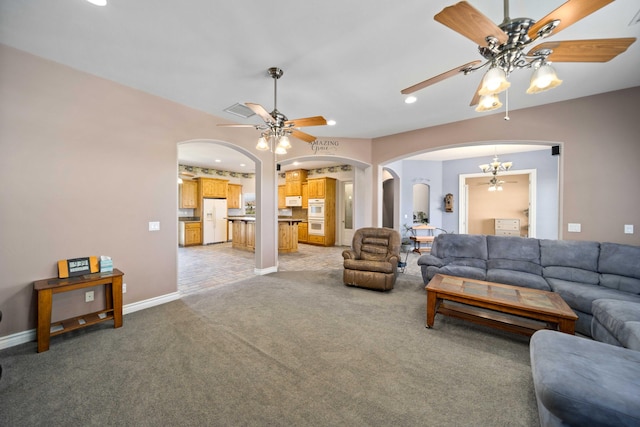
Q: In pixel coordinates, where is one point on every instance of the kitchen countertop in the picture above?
(253, 218)
(189, 219)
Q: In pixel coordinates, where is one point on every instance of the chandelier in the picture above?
(493, 168)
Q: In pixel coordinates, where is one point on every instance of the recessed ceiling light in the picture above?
(218, 160)
(296, 163)
(410, 99)
(98, 2)
(242, 165)
(331, 122)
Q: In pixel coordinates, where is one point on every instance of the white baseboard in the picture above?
(151, 302)
(30, 335)
(263, 271)
(17, 338)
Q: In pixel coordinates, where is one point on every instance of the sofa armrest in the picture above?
(393, 259)
(349, 254)
(428, 259)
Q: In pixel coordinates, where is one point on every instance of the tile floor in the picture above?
(202, 267)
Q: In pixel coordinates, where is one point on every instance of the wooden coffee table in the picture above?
(510, 308)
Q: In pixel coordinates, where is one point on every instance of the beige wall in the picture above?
(86, 164)
(485, 206)
(599, 160)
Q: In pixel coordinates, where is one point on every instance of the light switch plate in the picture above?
(154, 225)
(628, 229)
(574, 228)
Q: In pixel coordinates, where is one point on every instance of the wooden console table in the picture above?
(47, 287)
(419, 240)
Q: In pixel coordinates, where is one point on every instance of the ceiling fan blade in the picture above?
(601, 50)
(568, 13)
(259, 110)
(476, 95)
(416, 87)
(471, 23)
(307, 121)
(303, 136)
(230, 125)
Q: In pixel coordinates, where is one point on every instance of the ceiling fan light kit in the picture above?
(488, 103)
(277, 127)
(503, 45)
(543, 78)
(494, 81)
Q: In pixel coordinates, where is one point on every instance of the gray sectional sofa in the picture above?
(581, 272)
(578, 381)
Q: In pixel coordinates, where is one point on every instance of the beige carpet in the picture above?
(291, 348)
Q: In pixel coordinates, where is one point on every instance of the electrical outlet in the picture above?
(154, 225)
(124, 288)
(88, 296)
(628, 229)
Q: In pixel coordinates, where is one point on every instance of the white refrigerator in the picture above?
(214, 226)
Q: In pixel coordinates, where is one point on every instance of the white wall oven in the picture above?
(315, 209)
(316, 227)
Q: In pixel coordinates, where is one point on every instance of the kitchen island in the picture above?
(244, 233)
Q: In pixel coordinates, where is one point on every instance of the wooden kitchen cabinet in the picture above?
(316, 188)
(213, 188)
(293, 182)
(190, 233)
(324, 188)
(234, 196)
(287, 237)
(189, 194)
(282, 200)
(251, 235)
(303, 232)
(305, 196)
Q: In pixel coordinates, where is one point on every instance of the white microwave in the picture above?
(293, 201)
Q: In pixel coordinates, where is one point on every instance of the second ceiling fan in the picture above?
(277, 127)
(502, 47)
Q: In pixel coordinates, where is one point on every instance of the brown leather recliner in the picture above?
(372, 261)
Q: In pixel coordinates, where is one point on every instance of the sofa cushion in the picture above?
(619, 267)
(569, 253)
(463, 271)
(621, 319)
(460, 246)
(581, 296)
(571, 274)
(618, 259)
(368, 265)
(580, 382)
(514, 253)
(572, 261)
(517, 278)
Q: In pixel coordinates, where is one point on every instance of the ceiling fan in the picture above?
(276, 125)
(503, 45)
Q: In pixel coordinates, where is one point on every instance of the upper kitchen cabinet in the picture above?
(282, 201)
(213, 188)
(317, 188)
(293, 182)
(234, 196)
(305, 195)
(189, 194)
